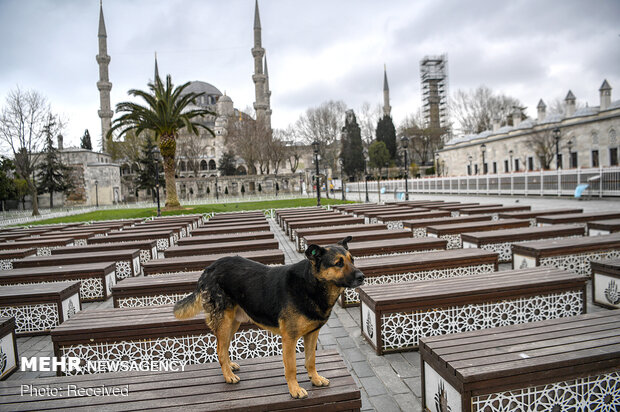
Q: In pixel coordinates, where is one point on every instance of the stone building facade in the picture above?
(588, 138)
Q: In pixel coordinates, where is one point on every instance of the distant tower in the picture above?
(434, 77)
(156, 72)
(387, 109)
(261, 82)
(104, 85)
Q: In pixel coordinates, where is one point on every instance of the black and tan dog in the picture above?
(291, 301)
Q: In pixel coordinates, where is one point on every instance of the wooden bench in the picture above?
(192, 263)
(493, 211)
(501, 241)
(397, 221)
(454, 210)
(603, 227)
(127, 261)
(164, 238)
(606, 283)
(43, 247)
(241, 228)
(227, 247)
(391, 210)
(209, 239)
(197, 388)
(95, 279)
(420, 266)
(298, 222)
(393, 247)
(576, 218)
(348, 229)
(8, 348)
(154, 290)
(39, 308)
(452, 232)
(7, 257)
(177, 231)
(560, 364)
(571, 254)
(236, 221)
(331, 238)
(293, 227)
(533, 214)
(418, 226)
(148, 248)
(153, 333)
(395, 317)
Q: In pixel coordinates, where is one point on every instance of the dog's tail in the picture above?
(189, 306)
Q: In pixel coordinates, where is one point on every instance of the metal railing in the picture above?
(603, 182)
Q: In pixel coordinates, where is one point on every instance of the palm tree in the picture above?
(165, 112)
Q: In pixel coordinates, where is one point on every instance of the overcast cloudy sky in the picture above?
(317, 50)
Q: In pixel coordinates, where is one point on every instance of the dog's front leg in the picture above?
(310, 340)
(290, 368)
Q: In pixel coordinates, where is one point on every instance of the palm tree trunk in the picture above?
(167, 147)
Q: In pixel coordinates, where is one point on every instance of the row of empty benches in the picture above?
(431, 269)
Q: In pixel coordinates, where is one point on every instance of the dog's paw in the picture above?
(234, 366)
(318, 380)
(298, 392)
(232, 378)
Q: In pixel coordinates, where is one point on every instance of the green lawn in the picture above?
(220, 207)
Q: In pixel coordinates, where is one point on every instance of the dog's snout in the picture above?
(359, 275)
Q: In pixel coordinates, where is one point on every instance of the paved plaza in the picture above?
(387, 383)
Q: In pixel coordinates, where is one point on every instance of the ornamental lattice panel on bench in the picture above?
(404, 329)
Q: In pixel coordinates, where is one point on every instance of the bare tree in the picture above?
(475, 110)
(25, 120)
(423, 141)
(542, 143)
(249, 139)
(558, 106)
(190, 148)
(367, 118)
(292, 149)
(129, 149)
(323, 124)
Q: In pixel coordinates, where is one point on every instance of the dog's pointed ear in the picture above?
(314, 252)
(344, 242)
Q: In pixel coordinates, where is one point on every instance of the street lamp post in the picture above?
(155, 152)
(217, 195)
(405, 142)
(315, 148)
(483, 148)
(556, 136)
(301, 184)
(436, 164)
(570, 153)
(341, 161)
(365, 153)
(511, 153)
(97, 192)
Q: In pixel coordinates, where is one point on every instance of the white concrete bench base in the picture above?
(155, 300)
(578, 263)
(352, 297)
(41, 316)
(595, 392)
(190, 349)
(90, 288)
(402, 330)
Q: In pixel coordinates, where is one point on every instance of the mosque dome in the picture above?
(210, 92)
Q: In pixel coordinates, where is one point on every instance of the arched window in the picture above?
(241, 171)
(203, 165)
(212, 165)
(183, 166)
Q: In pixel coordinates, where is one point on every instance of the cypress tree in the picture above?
(52, 175)
(352, 147)
(85, 143)
(386, 133)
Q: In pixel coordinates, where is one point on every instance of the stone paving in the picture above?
(387, 383)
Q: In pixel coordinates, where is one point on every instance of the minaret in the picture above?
(156, 72)
(104, 85)
(267, 96)
(387, 109)
(260, 105)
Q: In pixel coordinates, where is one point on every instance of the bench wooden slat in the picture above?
(227, 247)
(576, 217)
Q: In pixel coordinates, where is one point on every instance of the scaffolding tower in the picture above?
(434, 77)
